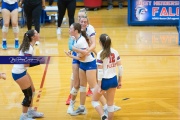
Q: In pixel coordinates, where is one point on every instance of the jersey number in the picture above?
(112, 58)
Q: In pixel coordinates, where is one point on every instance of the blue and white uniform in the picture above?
(109, 64)
(90, 32)
(89, 62)
(19, 70)
(9, 5)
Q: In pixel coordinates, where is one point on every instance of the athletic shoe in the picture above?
(120, 5)
(116, 108)
(110, 7)
(70, 107)
(79, 111)
(89, 93)
(34, 114)
(16, 44)
(68, 100)
(4, 45)
(24, 117)
(58, 31)
(64, 19)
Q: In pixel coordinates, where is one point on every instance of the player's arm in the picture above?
(83, 52)
(79, 57)
(93, 44)
(31, 64)
(120, 72)
(21, 3)
(43, 4)
(100, 74)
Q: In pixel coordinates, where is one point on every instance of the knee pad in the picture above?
(5, 29)
(28, 97)
(95, 104)
(82, 89)
(72, 78)
(74, 91)
(16, 29)
(110, 108)
(92, 89)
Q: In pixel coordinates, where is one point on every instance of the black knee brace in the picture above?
(28, 97)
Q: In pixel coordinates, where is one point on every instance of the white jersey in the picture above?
(81, 43)
(109, 64)
(19, 68)
(90, 32)
(10, 1)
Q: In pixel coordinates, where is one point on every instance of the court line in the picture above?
(42, 82)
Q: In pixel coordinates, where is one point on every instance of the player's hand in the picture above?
(119, 86)
(20, 4)
(3, 76)
(100, 91)
(67, 53)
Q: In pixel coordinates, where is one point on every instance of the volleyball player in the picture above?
(75, 65)
(87, 66)
(107, 61)
(23, 79)
(10, 12)
(90, 32)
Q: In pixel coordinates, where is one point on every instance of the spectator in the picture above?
(110, 4)
(10, 12)
(70, 5)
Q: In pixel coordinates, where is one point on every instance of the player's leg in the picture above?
(32, 113)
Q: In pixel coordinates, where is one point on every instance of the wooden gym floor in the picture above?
(151, 80)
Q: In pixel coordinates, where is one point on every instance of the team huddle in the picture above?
(99, 73)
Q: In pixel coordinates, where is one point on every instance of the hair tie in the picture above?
(26, 34)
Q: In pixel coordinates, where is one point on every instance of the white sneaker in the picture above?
(79, 111)
(116, 108)
(70, 108)
(24, 117)
(64, 19)
(58, 31)
(34, 114)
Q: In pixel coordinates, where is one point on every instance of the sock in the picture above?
(82, 106)
(30, 108)
(4, 39)
(72, 102)
(24, 114)
(105, 106)
(16, 39)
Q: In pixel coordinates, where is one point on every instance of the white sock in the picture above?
(4, 39)
(72, 101)
(24, 114)
(30, 108)
(82, 106)
(105, 106)
(16, 39)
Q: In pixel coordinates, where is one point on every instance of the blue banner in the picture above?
(23, 59)
(153, 12)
